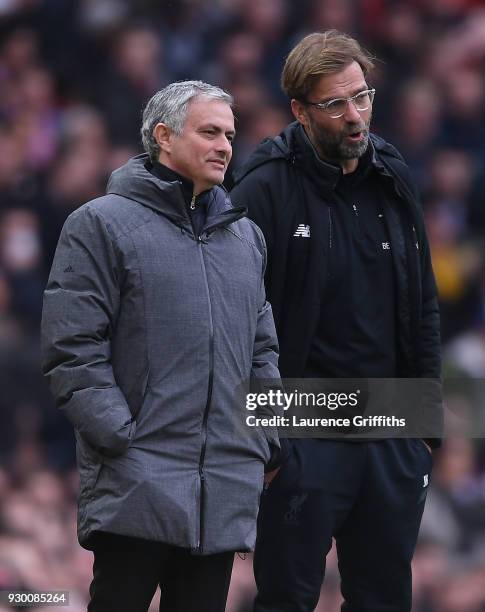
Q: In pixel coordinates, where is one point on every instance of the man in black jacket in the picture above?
(350, 281)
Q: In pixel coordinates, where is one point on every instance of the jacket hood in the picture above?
(135, 182)
(269, 149)
(287, 146)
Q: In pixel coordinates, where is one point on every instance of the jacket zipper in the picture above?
(416, 241)
(330, 240)
(192, 203)
(356, 214)
(208, 401)
(200, 241)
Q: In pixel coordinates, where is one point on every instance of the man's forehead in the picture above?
(208, 110)
(347, 81)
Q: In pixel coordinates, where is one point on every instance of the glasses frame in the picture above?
(324, 105)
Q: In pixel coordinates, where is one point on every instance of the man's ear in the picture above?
(298, 110)
(163, 135)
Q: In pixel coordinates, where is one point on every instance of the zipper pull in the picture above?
(355, 210)
(416, 238)
(192, 203)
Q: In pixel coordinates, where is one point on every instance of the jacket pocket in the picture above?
(102, 418)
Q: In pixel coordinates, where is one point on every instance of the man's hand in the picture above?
(270, 475)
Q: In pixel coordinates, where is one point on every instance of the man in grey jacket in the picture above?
(154, 314)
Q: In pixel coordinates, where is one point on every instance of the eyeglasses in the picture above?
(336, 108)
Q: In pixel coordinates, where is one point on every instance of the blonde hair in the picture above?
(319, 54)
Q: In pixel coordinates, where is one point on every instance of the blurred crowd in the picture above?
(74, 77)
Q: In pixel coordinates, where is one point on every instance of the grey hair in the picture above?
(170, 105)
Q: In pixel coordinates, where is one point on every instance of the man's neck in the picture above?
(349, 165)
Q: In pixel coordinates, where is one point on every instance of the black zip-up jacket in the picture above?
(284, 184)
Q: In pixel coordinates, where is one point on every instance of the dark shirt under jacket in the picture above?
(198, 214)
(356, 334)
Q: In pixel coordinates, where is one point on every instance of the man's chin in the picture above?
(355, 150)
(217, 177)
(212, 179)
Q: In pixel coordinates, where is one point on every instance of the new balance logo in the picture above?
(302, 231)
(386, 246)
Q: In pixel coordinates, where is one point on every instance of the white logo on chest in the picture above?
(302, 231)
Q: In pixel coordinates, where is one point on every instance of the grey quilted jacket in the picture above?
(147, 332)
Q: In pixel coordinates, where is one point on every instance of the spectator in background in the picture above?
(457, 262)
(135, 70)
(463, 124)
(21, 258)
(418, 103)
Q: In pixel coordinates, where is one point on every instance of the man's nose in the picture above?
(351, 113)
(224, 145)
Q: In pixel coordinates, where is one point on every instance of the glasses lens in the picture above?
(363, 100)
(336, 107)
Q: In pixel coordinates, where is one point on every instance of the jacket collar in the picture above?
(166, 174)
(135, 182)
(326, 175)
(294, 146)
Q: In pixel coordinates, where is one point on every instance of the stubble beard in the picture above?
(332, 147)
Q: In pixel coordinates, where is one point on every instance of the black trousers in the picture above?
(128, 570)
(369, 496)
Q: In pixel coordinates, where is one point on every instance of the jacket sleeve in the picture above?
(265, 371)
(429, 353)
(429, 347)
(254, 193)
(81, 303)
(429, 341)
(429, 336)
